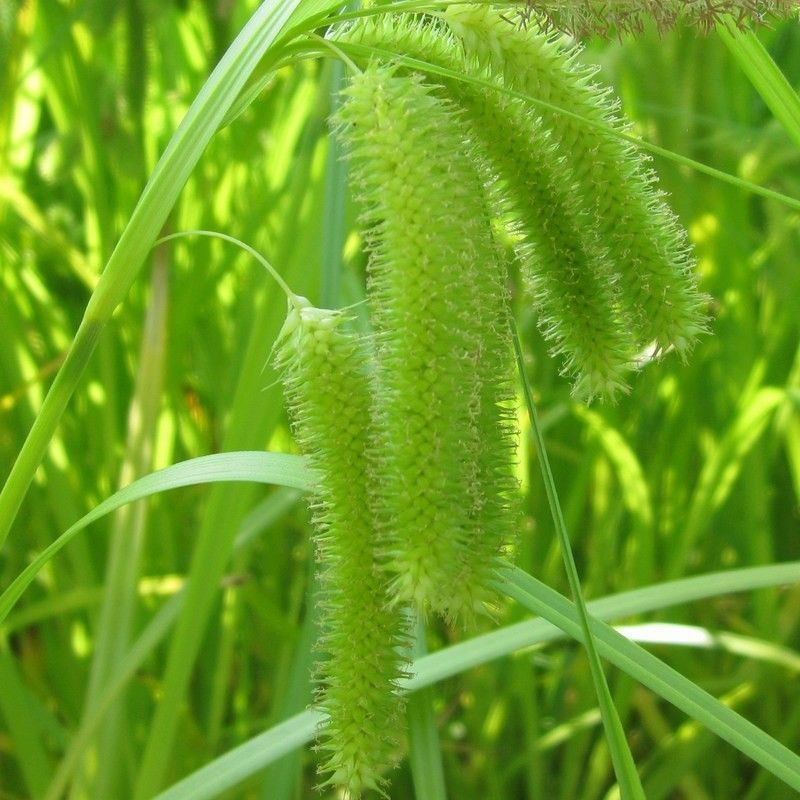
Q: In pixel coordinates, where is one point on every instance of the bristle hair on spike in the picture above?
(657, 291)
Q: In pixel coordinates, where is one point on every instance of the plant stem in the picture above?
(624, 766)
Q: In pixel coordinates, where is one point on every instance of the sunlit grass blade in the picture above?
(276, 468)
(155, 632)
(670, 768)
(265, 514)
(166, 182)
(428, 669)
(129, 526)
(722, 467)
(259, 466)
(501, 642)
(696, 636)
(695, 470)
(771, 84)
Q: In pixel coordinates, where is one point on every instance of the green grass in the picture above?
(169, 643)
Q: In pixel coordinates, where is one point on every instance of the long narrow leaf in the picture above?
(657, 676)
(424, 748)
(771, 84)
(182, 153)
(280, 469)
(219, 775)
(249, 758)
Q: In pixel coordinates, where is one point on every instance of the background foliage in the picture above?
(697, 469)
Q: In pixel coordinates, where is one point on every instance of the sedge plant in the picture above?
(410, 429)
(441, 446)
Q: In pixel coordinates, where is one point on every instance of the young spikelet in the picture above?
(438, 304)
(530, 182)
(645, 242)
(327, 392)
(574, 289)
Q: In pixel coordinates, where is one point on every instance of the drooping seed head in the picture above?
(438, 303)
(646, 245)
(326, 383)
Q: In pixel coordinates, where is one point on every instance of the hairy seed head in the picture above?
(328, 395)
(532, 187)
(645, 242)
(438, 302)
(586, 17)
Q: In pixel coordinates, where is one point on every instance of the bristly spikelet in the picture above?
(574, 288)
(438, 308)
(645, 242)
(573, 282)
(584, 17)
(327, 390)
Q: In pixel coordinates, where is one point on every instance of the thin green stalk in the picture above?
(129, 527)
(333, 226)
(624, 765)
(226, 636)
(424, 749)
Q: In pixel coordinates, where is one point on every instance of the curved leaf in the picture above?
(241, 762)
(280, 469)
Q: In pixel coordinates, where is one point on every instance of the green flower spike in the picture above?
(572, 280)
(439, 306)
(645, 242)
(327, 391)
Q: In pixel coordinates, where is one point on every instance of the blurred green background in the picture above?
(697, 469)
